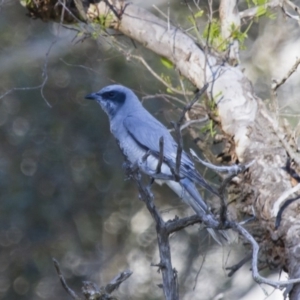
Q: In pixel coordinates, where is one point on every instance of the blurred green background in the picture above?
(63, 192)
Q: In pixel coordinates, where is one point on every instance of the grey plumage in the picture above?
(137, 132)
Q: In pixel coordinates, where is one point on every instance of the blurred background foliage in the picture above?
(63, 190)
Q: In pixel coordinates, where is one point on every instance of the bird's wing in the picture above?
(147, 131)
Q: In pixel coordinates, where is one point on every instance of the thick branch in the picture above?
(230, 22)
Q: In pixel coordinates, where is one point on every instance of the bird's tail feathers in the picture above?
(201, 181)
(196, 201)
(217, 235)
(192, 197)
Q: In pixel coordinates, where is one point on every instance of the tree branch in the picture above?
(169, 275)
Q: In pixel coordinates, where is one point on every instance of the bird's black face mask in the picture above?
(110, 101)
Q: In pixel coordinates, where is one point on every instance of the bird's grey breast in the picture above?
(129, 147)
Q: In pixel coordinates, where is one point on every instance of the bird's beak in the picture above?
(91, 96)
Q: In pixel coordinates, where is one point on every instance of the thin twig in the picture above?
(276, 84)
(63, 281)
(42, 85)
(112, 8)
(160, 11)
(282, 208)
(161, 155)
(179, 224)
(237, 266)
(179, 148)
(233, 169)
(178, 131)
(191, 122)
(164, 96)
(253, 11)
(282, 198)
(191, 104)
(174, 90)
(198, 272)
(294, 7)
(255, 250)
(116, 281)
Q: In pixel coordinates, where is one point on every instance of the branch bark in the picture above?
(169, 275)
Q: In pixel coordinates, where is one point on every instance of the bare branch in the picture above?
(276, 84)
(233, 169)
(178, 131)
(294, 7)
(115, 283)
(179, 149)
(161, 155)
(165, 97)
(179, 224)
(237, 266)
(253, 11)
(282, 198)
(255, 250)
(191, 104)
(170, 284)
(192, 122)
(63, 281)
(282, 208)
(91, 291)
(146, 65)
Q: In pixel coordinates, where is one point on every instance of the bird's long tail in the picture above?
(197, 178)
(190, 195)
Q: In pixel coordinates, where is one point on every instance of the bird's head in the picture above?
(112, 98)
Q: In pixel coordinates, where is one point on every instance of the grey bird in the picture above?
(138, 132)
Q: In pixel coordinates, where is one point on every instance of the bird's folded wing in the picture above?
(147, 131)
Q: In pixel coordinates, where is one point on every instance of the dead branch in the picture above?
(237, 266)
(276, 84)
(169, 275)
(89, 289)
(63, 281)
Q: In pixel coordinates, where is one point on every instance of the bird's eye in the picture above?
(111, 94)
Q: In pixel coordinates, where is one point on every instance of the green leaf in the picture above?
(167, 63)
(199, 14)
(261, 10)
